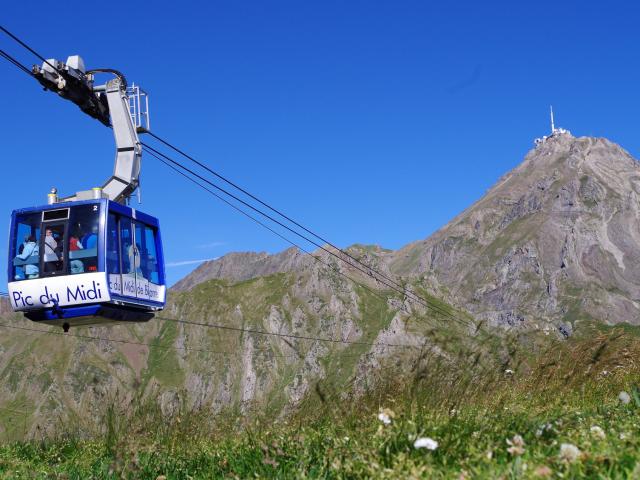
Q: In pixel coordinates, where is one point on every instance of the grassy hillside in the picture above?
(261, 345)
(557, 415)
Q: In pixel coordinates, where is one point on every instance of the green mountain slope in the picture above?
(332, 334)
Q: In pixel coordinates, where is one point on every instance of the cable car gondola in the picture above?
(90, 258)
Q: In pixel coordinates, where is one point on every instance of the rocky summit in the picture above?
(552, 244)
(555, 241)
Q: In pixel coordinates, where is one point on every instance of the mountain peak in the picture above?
(555, 239)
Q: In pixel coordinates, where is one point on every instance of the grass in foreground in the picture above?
(561, 417)
(600, 441)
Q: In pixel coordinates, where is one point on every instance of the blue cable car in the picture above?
(85, 262)
(90, 258)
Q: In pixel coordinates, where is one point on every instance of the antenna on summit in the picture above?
(554, 131)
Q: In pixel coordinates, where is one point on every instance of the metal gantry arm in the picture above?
(126, 174)
(113, 105)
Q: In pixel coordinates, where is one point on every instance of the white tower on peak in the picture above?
(554, 131)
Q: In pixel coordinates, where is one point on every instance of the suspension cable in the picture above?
(281, 214)
(15, 62)
(287, 335)
(318, 259)
(217, 327)
(28, 48)
(405, 292)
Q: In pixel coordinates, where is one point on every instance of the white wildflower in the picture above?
(624, 398)
(508, 371)
(386, 415)
(597, 432)
(622, 436)
(569, 453)
(425, 442)
(384, 418)
(516, 445)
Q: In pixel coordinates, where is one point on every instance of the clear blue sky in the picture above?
(370, 122)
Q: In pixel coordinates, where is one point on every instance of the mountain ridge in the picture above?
(563, 184)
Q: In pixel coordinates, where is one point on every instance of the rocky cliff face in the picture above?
(555, 240)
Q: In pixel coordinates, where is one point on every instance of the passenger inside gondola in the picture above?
(89, 243)
(90, 240)
(53, 249)
(26, 259)
(30, 254)
(49, 241)
(76, 266)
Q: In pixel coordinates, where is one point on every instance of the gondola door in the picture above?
(128, 257)
(146, 259)
(55, 226)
